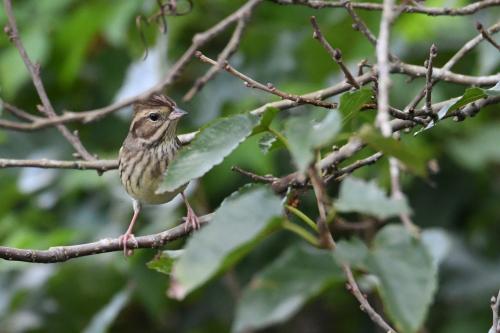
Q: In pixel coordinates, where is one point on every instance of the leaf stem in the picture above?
(303, 233)
(280, 136)
(302, 216)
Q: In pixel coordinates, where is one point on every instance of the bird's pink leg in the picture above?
(191, 217)
(128, 234)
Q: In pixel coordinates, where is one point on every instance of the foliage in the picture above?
(253, 267)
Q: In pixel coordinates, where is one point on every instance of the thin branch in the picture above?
(495, 308)
(428, 79)
(336, 54)
(254, 177)
(326, 239)
(383, 119)
(431, 11)
(251, 83)
(199, 40)
(34, 70)
(469, 46)
(486, 35)
(64, 253)
(223, 57)
(99, 165)
(353, 287)
(359, 25)
(401, 68)
(18, 113)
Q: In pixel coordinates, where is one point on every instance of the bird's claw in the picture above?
(192, 220)
(123, 240)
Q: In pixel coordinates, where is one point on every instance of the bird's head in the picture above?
(155, 119)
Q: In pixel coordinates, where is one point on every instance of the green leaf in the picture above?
(311, 131)
(357, 195)
(407, 274)
(165, 261)
(103, 319)
(209, 147)
(283, 287)
(265, 120)
(352, 252)
(351, 102)
(236, 226)
(470, 95)
(411, 159)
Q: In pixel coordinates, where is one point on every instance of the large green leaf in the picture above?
(407, 274)
(411, 159)
(237, 224)
(281, 289)
(357, 195)
(209, 147)
(311, 131)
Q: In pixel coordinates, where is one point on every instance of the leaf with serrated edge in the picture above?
(284, 286)
(210, 146)
(357, 195)
(407, 274)
(235, 227)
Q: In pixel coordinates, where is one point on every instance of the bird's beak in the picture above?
(177, 113)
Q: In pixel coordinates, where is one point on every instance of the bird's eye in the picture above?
(154, 116)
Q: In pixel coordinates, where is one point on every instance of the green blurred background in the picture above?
(91, 55)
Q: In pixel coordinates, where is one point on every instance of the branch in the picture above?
(64, 253)
(383, 119)
(34, 70)
(199, 40)
(353, 287)
(486, 35)
(228, 51)
(251, 83)
(431, 11)
(99, 165)
(336, 54)
(326, 239)
(495, 308)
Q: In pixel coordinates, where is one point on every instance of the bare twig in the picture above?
(428, 79)
(359, 25)
(228, 51)
(486, 35)
(384, 69)
(34, 70)
(64, 253)
(326, 239)
(334, 53)
(353, 287)
(99, 165)
(253, 176)
(431, 11)
(199, 40)
(495, 308)
(251, 83)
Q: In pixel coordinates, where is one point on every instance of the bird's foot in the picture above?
(123, 240)
(192, 220)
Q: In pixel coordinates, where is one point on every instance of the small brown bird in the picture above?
(149, 147)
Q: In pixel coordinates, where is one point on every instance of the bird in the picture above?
(149, 147)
